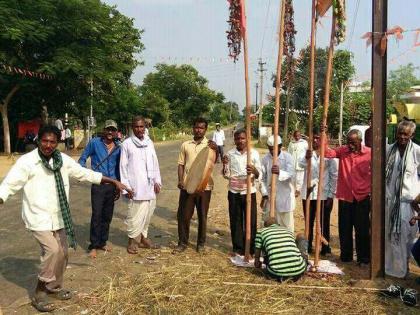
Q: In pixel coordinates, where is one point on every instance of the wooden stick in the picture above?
(248, 145)
(311, 115)
(309, 287)
(323, 143)
(277, 109)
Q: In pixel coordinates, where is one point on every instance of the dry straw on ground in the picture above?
(190, 283)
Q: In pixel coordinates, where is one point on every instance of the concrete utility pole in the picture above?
(379, 26)
(256, 96)
(261, 70)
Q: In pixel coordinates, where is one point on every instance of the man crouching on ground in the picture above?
(44, 176)
(285, 257)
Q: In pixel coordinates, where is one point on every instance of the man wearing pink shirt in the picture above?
(353, 193)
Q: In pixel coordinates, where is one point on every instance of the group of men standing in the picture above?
(132, 168)
(133, 162)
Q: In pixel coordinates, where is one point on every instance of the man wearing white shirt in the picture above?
(139, 170)
(219, 139)
(285, 193)
(297, 148)
(327, 196)
(44, 176)
(235, 170)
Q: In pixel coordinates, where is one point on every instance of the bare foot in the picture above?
(132, 246)
(93, 253)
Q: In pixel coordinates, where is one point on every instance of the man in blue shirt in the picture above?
(104, 153)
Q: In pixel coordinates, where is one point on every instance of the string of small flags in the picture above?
(397, 32)
(25, 72)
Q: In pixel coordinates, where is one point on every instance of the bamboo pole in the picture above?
(248, 143)
(323, 143)
(277, 109)
(311, 115)
(286, 114)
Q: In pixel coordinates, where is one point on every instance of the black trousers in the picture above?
(186, 205)
(220, 152)
(237, 217)
(325, 221)
(102, 197)
(354, 214)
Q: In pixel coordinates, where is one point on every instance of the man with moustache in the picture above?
(139, 169)
(353, 193)
(44, 175)
(187, 202)
(104, 153)
(402, 187)
(235, 169)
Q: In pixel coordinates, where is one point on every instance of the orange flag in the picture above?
(322, 7)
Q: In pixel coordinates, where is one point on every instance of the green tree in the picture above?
(74, 41)
(183, 91)
(399, 83)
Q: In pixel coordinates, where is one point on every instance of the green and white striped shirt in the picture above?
(284, 257)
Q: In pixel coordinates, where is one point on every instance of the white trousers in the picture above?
(397, 252)
(298, 180)
(284, 219)
(138, 217)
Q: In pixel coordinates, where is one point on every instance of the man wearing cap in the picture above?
(219, 139)
(285, 192)
(104, 153)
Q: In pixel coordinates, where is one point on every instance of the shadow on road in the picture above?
(20, 271)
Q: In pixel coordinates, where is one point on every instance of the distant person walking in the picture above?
(219, 139)
(67, 135)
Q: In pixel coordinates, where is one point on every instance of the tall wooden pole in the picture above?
(248, 144)
(379, 69)
(311, 115)
(286, 113)
(277, 109)
(340, 133)
(323, 143)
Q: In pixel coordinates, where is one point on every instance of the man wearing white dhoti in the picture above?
(285, 192)
(402, 187)
(139, 170)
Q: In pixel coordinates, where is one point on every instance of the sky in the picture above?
(194, 32)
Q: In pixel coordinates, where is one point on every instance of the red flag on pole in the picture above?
(322, 6)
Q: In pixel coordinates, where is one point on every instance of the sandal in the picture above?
(42, 304)
(61, 295)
